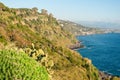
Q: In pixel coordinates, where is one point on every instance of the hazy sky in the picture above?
(75, 10)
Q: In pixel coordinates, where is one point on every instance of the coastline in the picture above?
(103, 75)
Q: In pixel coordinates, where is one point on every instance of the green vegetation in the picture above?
(16, 65)
(43, 43)
(40, 36)
(115, 78)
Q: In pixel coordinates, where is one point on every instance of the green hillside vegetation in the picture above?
(25, 26)
(16, 65)
(39, 35)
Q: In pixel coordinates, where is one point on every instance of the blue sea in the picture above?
(103, 50)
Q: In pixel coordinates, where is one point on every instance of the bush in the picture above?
(18, 66)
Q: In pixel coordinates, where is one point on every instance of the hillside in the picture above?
(78, 29)
(39, 36)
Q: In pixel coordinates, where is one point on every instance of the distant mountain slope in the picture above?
(100, 24)
(78, 29)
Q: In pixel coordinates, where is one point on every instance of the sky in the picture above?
(74, 10)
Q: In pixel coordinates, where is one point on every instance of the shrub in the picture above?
(18, 66)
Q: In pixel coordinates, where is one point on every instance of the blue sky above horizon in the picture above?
(77, 10)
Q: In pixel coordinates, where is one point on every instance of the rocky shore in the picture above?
(77, 45)
(107, 76)
(103, 75)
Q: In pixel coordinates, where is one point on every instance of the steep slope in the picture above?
(28, 26)
(40, 36)
(78, 29)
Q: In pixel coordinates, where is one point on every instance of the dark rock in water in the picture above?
(107, 76)
(104, 75)
(76, 46)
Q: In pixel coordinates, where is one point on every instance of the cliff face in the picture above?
(40, 35)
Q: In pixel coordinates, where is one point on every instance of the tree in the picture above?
(43, 11)
(35, 9)
(1, 6)
(51, 15)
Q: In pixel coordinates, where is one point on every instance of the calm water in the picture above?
(103, 50)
